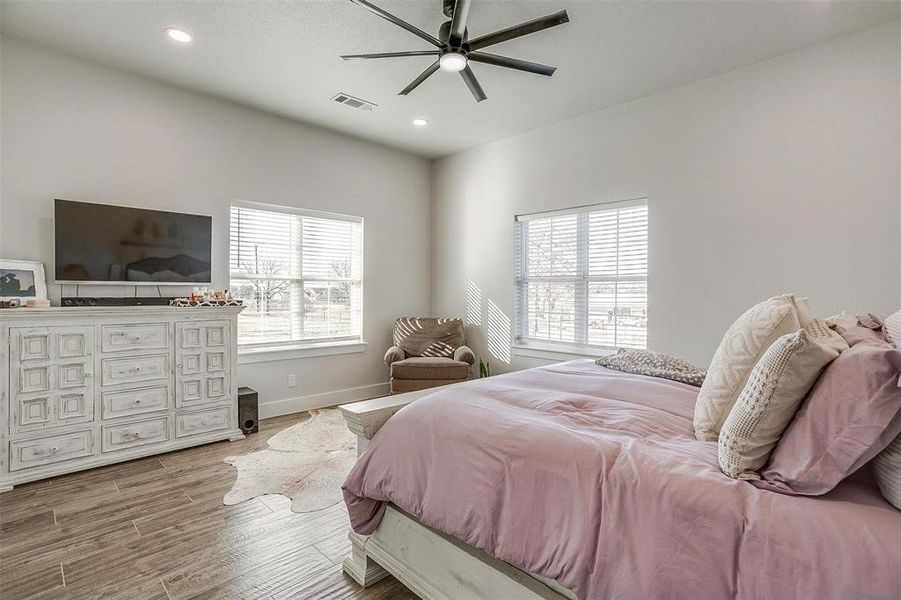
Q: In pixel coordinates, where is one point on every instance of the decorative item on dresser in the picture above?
(92, 386)
(22, 280)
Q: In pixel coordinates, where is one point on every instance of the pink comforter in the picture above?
(593, 478)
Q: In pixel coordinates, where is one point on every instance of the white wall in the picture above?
(76, 130)
(783, 176)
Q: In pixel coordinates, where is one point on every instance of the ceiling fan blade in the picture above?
(473, 83)
(422, 77)
(511, 63)
(391, 54)
(397, 21)
(520, 30)
(458, 23)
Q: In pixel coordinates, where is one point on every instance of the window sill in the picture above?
(560, 352)
(259, 355)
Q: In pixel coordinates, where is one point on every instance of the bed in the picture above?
(574, 481)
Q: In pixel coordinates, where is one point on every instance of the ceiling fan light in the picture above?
(452, 61)
(179, 35)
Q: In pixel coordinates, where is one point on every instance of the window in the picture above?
(299, 272)
(582, 276)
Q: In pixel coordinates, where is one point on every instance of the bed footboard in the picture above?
(436, 566)
(365, 418)
(431, 564)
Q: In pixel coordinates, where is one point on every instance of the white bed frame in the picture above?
(433, 565)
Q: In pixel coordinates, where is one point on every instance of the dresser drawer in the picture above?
(139, 433)
(202, 421)
(135, 369)
(135, 402)
(144, 336)
(52, 449)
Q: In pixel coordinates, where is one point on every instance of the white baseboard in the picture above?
(288, 406)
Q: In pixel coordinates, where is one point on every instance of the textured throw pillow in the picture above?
(742, 346)
(645, 362)
(841, 322)
(887, 468)
(822, 334)
(850, 415)
(769, 400)
(892, 327)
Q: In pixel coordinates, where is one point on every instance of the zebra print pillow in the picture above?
(428, 336)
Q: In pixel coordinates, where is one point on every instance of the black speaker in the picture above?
(248, 410)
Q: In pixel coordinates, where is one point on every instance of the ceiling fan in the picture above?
(454, 50)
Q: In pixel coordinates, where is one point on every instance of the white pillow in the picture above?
(771, 397)
(892, 326)
(887, 469)
(742, 346)
(887, 464)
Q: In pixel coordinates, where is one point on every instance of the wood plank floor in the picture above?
(156, 528)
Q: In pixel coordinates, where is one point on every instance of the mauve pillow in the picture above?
(852, 413)
(855, 335)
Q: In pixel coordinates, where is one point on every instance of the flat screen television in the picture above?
(100, 243)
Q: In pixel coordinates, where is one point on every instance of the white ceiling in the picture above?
(283, 56)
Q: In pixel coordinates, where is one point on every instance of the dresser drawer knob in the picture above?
(137, 402)
(54, 450)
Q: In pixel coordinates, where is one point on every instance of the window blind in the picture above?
(581, 276)
(300, 274)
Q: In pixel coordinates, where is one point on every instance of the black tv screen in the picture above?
(101, 243)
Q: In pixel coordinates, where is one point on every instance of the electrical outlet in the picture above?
(292, 380)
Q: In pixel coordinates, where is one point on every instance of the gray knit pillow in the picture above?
(645, 362)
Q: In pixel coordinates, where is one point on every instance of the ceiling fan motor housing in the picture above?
(444, 36)
(448, 7)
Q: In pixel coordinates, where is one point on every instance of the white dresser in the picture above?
(85, 387)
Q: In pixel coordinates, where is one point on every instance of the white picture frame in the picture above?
(8, 266)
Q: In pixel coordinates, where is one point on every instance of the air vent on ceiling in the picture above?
(353, 102)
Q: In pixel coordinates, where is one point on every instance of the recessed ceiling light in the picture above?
(420, 122)
(179, 35)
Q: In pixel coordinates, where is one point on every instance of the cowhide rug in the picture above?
(306, 462)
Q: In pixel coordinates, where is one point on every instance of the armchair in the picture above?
(427, 352)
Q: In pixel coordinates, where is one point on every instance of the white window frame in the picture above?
(550, 349)
(299, 347)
